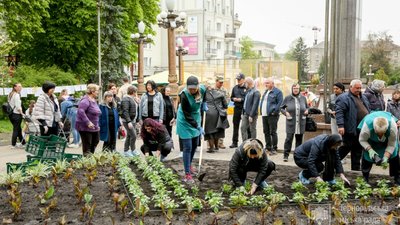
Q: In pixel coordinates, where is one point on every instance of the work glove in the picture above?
(372, 153)
(385, 163)
(204, 107)
(201, 131)
(385, 159)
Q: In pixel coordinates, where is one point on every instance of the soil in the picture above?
(216, 175)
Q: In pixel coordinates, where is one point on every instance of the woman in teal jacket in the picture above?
(109, 122)
(188, 124)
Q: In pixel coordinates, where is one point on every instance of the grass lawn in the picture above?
(5, 126)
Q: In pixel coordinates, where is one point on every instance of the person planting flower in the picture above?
(155, 139)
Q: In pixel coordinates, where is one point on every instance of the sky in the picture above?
(280, 22)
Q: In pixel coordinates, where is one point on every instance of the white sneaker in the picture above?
(181, 154)
(135, 153)
(13, 147)
(128, 153)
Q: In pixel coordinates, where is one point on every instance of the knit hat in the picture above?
(47, 86)
(378, 85)
(192, 82)
(339, 85)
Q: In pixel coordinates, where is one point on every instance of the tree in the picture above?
(299, 53)
(247, 48)
(376, 51)
(381, 75)
(395, 77)
(64, 33)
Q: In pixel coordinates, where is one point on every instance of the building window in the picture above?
(227, 28)
(145, 59)
(259, 52)
(208, 28)
(227, 47)
(218, 45)
(218, 26)
(208, 46)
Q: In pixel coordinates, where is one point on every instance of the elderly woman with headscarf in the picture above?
(311, 155)
(214, 128)
(47, 111)
(295, 108)
(375, 96)
(109, 121)
(250, 156)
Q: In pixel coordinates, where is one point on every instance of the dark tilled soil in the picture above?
(216, 175)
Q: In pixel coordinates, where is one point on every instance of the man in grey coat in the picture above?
(250, 110)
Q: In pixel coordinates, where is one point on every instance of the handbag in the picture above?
(311, 125)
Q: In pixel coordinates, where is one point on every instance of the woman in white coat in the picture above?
(47, 111)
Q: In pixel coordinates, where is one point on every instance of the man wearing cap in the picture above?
(351, 107)
(270, 104)
(219, 86)
(378, 137)
(250, 110)
(311, 155)
(237, 96)
(338, 89)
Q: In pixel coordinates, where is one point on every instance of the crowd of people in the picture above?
(359, 124)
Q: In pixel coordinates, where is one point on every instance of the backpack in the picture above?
(7, 109)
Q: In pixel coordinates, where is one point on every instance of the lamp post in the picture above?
(180, 52)
(140, 38)
(370, 74)
(171, 20)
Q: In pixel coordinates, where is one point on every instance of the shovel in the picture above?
(200, 176)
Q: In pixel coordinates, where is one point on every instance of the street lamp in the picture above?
(171, 20)
(370, 74)
(180, 52)
(140, 38)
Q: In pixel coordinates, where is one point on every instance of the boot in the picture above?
(221, 143)
(211, 143)
(366, 177)
(216, 144)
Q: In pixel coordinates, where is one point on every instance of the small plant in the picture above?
(195, 190)
(112, 184)
(58, 168)
(62, 220)
(88, 209)
(215, 202)
(353, 213)
(238, 199)
(15, 200)
(388, 219)
(80, 192)
(227, 189)
(298, 187)
(68, 173)
(363, 192)
(120, 202)
(276, 199)
(14, 178)
(192, 204)
(382, 191)
(91, 175)
(322, 192)
(259, 201)
(35, 173)
(292, 218)
(44, 199)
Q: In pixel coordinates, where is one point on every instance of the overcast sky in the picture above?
(279, 22)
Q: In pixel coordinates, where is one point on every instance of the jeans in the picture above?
(130, 140)
(89, 141)
(246, 125)
(16, 120)
(289, 141)
(237, 116)
(270, 125)
(75, 133)
(351, 144)
(189, 148)
(329, 172)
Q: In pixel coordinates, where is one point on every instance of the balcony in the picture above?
(231, 54)
(211, 52)
(230, 35)
(211, 34)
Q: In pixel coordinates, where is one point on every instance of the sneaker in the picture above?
(128, 153)
(193, 171)
(285, 158)
(135, 153)
(73, 146)
(303, 180)
(233, 146)
(263, 184)
(273, 152)
(188, 179)
(332, 182)
(181, 154)
(13, 147)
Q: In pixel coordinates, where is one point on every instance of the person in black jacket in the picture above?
(155, 139)
(237, 96)
(250, 156)
(311, 155)
(129, 116)
(169, 109)
(250, 110)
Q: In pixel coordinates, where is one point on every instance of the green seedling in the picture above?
(227, 189)
(62, 220)
(237, 199)
(322, 192)
(363, 192)
(120, 202)
(79, 192)
(14, 178)
(353, 213)
(68, 173)
(298, 187)
(88, 209)
(15, 200)
(195, 190)
(35, 173)
(112, 184)
(382, 191)
(91, 175)
(215, 203)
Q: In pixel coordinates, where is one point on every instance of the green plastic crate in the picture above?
(46, 146)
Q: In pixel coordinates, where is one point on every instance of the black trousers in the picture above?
(351, 144)
(237, 116)
(165, 148)
(242, 171)
(110, 145)
(328, 174)
(16, 120)
(393, 167)
(168, 127)
(270, 125)
(289, 141)
(89, 141)
(52, 130)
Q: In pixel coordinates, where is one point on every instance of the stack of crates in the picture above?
(44, 148)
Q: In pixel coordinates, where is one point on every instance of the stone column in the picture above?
(344, 42)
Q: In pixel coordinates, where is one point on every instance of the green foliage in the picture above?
(247, 48)
(5, 126)
(394, 77)
(299, 53)
(381, 75)
(322, 192)
(298, 186)
(30, 76)
(376, 52)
